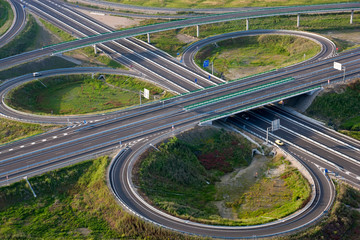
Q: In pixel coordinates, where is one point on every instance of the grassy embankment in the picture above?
(343, 221)
(218, 4)
(88, 51)
(75, 203)
(319, 23)
(72, 203)
(340, 110)
(21, 42)
(236, 58)
(181, 179)
(6, 16)
(12, 130)
(78, 94)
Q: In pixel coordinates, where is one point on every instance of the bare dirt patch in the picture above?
(115, 22)
(186, 38)
(235, 183)
(352, 36)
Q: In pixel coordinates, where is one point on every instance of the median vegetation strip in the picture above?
(72, 203)
(13, 130)
(79, 94)
(204, 175)
(249, 90)
(339, 108)
(6, 16)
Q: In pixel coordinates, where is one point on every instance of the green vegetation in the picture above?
(319, 23)
(343, 221)
(218, 4)
(13, 130)
(6, 16)
(22, 42)
(72, 203)
(88, 51)
(78, 94)
(57, 31)
(250, 55)
(273, 197)
(36, 66)
(340, 110)
(182, 178)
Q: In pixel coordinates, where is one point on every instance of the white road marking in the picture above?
(358, 178)
(348, 173)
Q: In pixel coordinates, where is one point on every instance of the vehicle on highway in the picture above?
(279, 142)
(245, 116)
(36, 74)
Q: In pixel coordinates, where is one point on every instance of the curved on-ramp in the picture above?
(120, 181)
(327, 50)
(17, 24)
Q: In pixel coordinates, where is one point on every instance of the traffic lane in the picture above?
(310, 147)
(310, 133)
(176, 68)
(123, 169)
(350, 141)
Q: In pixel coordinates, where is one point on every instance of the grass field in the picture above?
(220, 4)
(72, 203)
(13, 130)
(339, 110)
(319, 23)
(245, 56)
(78, 94)
(6, 16)
(181, 179)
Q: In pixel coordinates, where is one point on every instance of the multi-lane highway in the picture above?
(135, 127)
(100, 38)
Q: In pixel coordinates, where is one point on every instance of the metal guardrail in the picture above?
(228, 96)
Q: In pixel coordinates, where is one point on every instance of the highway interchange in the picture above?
(137, 127)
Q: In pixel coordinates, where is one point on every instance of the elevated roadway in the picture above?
(87, 41)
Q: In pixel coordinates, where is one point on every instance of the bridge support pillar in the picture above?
(148, 37)
(95, 49)
(351, 16)
(197, 31)
(298, 20)
(247, 24)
